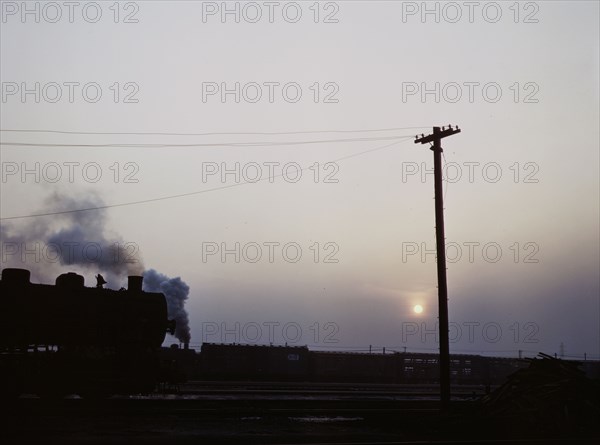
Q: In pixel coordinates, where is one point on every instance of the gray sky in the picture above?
(522, 196)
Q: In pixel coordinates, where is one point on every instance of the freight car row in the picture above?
(237, 362)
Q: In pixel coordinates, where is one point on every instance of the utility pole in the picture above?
(436, 139)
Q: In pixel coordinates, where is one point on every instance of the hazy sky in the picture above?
(350, 238)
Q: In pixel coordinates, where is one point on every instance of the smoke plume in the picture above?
(79, 239)
(176, 291)
(82, 241)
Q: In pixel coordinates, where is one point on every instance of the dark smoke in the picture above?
(72, 239)
(176, 291)
(64, 235)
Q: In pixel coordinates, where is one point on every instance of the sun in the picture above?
(418, 309)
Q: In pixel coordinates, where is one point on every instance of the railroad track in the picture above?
(228, 422)
(265, 413)
(333, 389)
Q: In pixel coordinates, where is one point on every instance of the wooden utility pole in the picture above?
(436, 139)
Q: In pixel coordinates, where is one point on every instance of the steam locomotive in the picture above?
(67, 338)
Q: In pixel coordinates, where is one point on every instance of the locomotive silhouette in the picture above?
(70, 339)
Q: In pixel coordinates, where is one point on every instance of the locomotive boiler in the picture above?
(68, 338)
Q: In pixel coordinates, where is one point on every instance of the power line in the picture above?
(215, 144)
(182, 195)
(261, 133)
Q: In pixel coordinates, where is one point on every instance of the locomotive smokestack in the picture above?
(13, 275)
(134, 283)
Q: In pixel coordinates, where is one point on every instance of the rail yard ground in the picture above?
(203, 412)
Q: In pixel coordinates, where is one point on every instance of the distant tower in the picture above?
(562, 350)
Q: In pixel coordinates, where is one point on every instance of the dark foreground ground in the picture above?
(273, 413)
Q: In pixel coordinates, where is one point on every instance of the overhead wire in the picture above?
(206, 144)
(182, 195)
(262, 133)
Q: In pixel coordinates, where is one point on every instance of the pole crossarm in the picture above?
(437, 134)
